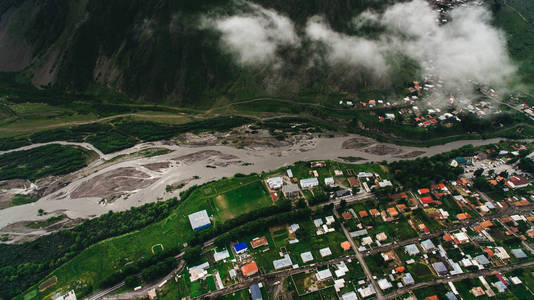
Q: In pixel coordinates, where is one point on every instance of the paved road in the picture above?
(102, 293)
(502, 213)
(359, 256)
(136, 294)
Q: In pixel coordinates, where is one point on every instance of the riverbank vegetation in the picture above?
(48, 160)
(123, 133)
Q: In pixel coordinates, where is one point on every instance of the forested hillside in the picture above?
(158, 50)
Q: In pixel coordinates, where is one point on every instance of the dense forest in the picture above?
(424, 171)
(49, 160)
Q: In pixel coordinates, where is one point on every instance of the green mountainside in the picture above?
(156, 50)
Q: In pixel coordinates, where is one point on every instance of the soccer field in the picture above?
(241, 200)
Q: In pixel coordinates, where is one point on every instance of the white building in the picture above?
(323, 274)
(275, 183)
(349, 296)
(199, 220)
(306, 257)
(218, 256)
(289, 173)
(384, 284)
(282, 263)
(329, 181)
(309, 183)
(325, 252)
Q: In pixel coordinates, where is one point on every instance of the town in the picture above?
(267, 150)
(367, 236)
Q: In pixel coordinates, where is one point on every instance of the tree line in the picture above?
(424, 171)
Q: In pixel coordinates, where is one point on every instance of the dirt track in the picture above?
(146, 178)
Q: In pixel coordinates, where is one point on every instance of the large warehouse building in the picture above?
(199, 220)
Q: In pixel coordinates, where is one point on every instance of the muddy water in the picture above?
(229, 160)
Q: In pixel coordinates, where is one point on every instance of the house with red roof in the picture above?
(426, 200)
(353, 182)
(250, 269)
(517, 182)
(423, 191)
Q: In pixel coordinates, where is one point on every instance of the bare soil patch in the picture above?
(47, 283)
(382, 149)
(14, 184)
(200, 140)
(411, 154)
(50, 185)
(9, 188)
(224, 164)
(19, 232)
(114, 182)
(202, 155)
(157, 167)
(356, 143)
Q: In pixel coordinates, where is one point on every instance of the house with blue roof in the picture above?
(255, 292)
(240, 248)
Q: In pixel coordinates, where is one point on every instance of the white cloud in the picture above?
(256, 36)
(344, 49)
(467, 48)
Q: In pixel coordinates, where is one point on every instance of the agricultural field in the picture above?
(279, 237)
(420, 272)
(439, 290)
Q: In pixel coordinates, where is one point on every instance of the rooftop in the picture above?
(199, 220)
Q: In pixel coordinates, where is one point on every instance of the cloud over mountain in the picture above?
(256, 36)
(464, 49)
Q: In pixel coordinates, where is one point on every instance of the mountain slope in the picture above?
(154, 50)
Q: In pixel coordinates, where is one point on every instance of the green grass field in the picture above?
(31, 294)
(278, 238)
(242, 200)
(420, 272)
(20, 199)
(240, 295)
(438, 290)
(93, 264)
